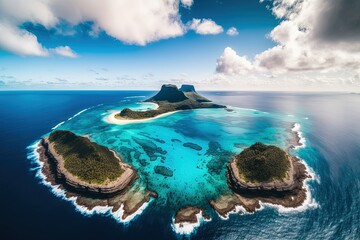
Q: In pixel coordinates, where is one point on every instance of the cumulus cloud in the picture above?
(205, 26)
(313, 35)
(20, 41)
(64, 51)
(231, 63)
(187, 3)
(232, 31)
(131, 21)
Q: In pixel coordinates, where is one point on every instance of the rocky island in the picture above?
(92, 173)
(170, 99)
(188, 218)
(262, 173)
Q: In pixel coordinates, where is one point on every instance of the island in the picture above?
(169, 99)
(188, 218)
(262, 173)
(92, 173)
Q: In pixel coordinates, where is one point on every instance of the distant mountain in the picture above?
(169, 93)
(170, 99)
(172, 94)
(189, 91)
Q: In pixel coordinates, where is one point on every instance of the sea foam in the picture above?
(302, 140)
(186, 228)
(77, 114)
(34, 157)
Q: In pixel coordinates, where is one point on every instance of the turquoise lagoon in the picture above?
(197, 175)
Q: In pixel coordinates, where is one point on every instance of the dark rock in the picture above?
(143, 162)
(192, 146)
(162, 170)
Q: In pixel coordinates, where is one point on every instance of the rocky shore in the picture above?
(295, 177)
(123, 197)
(188, 218)
(247, 196)
(71, 181)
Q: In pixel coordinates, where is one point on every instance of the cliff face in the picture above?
(169, 93)
(294, 183)
(72, 182)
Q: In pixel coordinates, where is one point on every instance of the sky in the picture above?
(290, 45)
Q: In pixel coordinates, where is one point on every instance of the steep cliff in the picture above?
(60, 160)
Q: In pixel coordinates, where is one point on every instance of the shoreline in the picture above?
(111, 119)
(71, 181)
(121, 214)
(188, 219)
(299, 138)
(234, 203)
(117, 210)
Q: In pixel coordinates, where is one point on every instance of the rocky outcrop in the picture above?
(294, 181)
(188, 214)
(72, 182)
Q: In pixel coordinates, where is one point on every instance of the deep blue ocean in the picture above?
(330, 125)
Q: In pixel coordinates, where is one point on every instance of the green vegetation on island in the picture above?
(86, 160)
(262, 163)
(170, 99)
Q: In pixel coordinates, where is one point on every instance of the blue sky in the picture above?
(100, 56)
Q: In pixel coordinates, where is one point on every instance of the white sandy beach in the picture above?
(112, 120)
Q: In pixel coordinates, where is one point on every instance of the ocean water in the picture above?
(328, 122)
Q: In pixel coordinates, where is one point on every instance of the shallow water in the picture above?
(332, 150)
(197, 175)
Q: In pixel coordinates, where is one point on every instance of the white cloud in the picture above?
(187, 3)
(64, 51)
(321, 36)
(20, 41)
(231, 63)
(205, 26)
(131, 21)
(232, 31)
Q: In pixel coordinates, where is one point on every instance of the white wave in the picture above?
(135, 97)
(118, 215)
(33, 156)
(77, 114)
(58, 125)
(247, 109)
(302, 140)
(309, 202)
(186, 228)
(237, 210)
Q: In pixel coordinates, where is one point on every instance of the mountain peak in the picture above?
(170, 93)
(187, 88)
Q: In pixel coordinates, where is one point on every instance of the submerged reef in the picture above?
(194, 168)
(162, 170)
